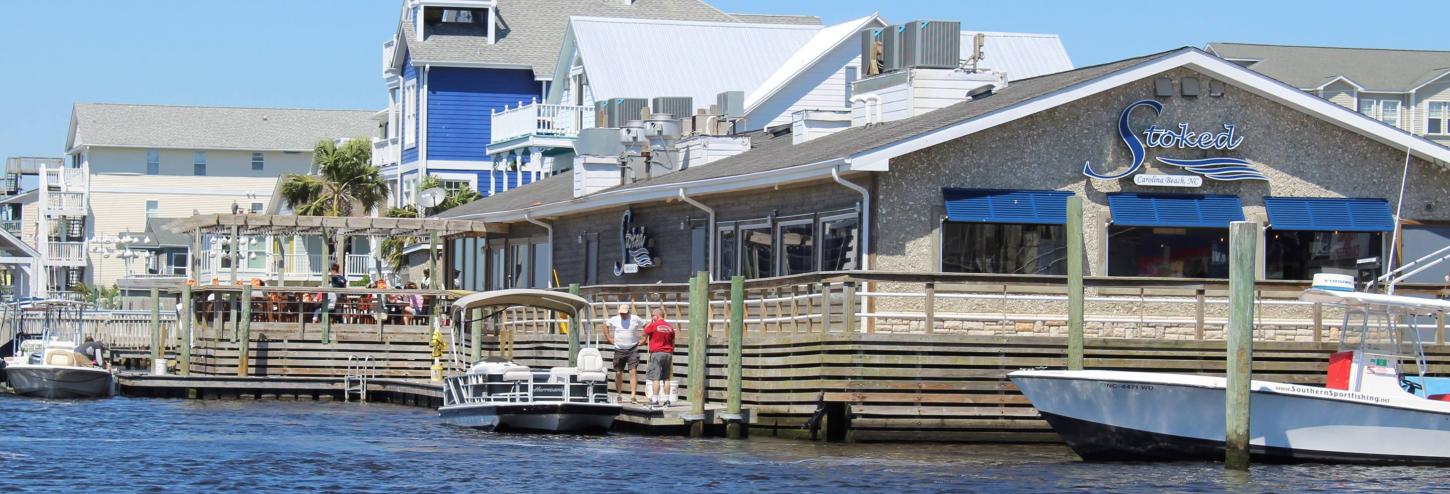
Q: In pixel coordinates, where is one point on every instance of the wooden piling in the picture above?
(574, 330)
(244, 339)
(157, 344)
(1243, 240)
(734, 355)
(185, 320)
(325, 317)
(1075, 293)
(699, 326)
(848, 306)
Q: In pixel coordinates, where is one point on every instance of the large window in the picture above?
(1004, 248)
(410, 113)
(198, 163)
(797, 247)
(1384, 110)
(839, 243)
(153, 162)
(728, 254)
(757, 251)
(497, 268)
(1299, 255)
(1438, 118)
(1168, 252)
(542, 278)
(519, 264)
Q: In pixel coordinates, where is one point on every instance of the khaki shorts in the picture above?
(660, 365)
(626, 359)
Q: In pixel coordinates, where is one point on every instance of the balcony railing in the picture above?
(11, 226)
(295, 267)
(65, 202)
(67, 252)
(383, 151)
(538, 119)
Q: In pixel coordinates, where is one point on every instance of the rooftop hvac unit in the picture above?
(891, 48)
(603, 141)
(871, 51)
(675, 106)
(731, 104)
(614, 112)
(931, 44)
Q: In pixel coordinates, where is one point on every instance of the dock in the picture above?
(635, 418)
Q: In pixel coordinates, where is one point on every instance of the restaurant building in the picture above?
(1165, 150)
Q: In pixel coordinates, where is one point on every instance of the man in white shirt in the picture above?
(623, 331)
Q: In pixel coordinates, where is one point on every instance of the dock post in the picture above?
(1075, 293)
(435, 279)
(1243, 237)
(574, 330)
(848, 306)
(157, 345)
(185, 320)
(699, 328)
(325, 316)
(244, 340)
(734, 357)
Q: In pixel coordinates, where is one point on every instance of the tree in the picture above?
(392, 247)
(346, 182)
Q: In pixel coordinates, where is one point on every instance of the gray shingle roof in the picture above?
(1308, 67)
(769, 152)
(531, 31)
(777, 19)
(205, 127)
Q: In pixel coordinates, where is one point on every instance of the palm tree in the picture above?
(392, 247)
(346, 182)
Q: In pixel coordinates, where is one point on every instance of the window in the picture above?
(258, 162)
(257, 207)
(1004, 248)
(153, 162)
(1439, 118)
(152, 207)
(728, 254)
(519, 265)
(453, 186)
(1384, 110)
(797, 247)
(1299, 255)
(458, 16)
(757, 251)
(1168, 252)
(541, 266)
(838, 243)
(496, 261)
(851, 75)
(198, 163)
(410, 113)
(178, 263)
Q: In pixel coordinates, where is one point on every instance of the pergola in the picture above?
(328, 227)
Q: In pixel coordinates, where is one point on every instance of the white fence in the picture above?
(538, 119)
(119, 329)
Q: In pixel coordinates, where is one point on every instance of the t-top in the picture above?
(626, 333)
(661, 336)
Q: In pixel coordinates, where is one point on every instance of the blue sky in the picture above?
(327, 54)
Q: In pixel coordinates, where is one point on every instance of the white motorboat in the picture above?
(1369, 412)
(46, 365)
(497, 394)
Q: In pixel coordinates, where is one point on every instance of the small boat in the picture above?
(46, 365)
(498, 394)
(1370, 411)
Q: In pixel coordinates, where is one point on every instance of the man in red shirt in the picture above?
(661, 337)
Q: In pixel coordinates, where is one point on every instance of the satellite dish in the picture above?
(431, 198)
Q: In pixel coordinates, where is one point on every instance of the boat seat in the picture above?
(519, 374)
(590, 365)
(1439, 397)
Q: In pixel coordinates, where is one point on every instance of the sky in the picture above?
(328, 53)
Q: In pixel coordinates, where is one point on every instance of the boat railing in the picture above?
(516, 387)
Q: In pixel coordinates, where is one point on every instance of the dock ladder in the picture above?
(359, 371)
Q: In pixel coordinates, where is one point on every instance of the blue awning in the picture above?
(1043, 207)
(1175, 210)
(1329, 214)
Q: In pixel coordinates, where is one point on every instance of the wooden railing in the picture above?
(119, 329)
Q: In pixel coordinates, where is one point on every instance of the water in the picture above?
(151, 445)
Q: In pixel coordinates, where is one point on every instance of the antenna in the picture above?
(431, 198)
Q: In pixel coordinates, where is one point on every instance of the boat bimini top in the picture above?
(525, 297)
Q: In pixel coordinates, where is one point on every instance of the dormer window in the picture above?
(455, 18)
(437, 15)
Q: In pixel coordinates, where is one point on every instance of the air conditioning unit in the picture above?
(891, 48)
(930, 44)
(614, 112)
(600, 141)
(676, 106)
(731, 104)
(870, 53)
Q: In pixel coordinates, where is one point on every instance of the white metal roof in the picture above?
(818, 46)
(1020, 55)
(637, 58)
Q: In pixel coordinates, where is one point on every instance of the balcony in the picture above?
(66, 253)
(537, 125)
(11, 226)
(295, 268)
(389, 50)
(384, 151)
(65, 203)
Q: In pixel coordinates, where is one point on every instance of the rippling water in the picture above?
(149, 445)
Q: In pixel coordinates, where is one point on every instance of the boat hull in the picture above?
(569, 418)
(54, 381)
(1138, 416)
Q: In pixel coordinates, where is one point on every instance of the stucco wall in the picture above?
(1301, 155)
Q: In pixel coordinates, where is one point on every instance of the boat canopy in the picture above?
(1377, 301)
(527, 297)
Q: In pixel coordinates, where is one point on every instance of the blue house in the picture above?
(452, 65)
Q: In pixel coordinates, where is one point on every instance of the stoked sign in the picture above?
(634, 247)
(1181, 136)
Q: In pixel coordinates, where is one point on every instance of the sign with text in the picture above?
(1181, 136)
(1154, 180)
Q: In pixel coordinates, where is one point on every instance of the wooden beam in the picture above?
(1075, 292)
(1243, 240)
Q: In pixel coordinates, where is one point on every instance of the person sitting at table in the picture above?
(415, 305)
